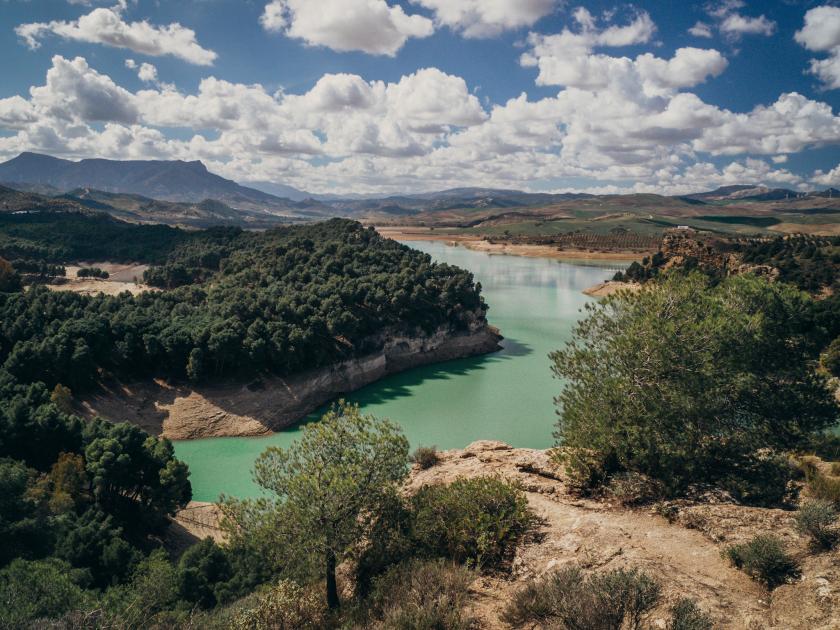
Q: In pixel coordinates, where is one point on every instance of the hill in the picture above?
(177, 181)
(137, 209)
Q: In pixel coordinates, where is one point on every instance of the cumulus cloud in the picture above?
(568, 58)
(146, 72)
(486, 18)
(821, 33)
(700, 29)
(427, 130)
(371, 26)
(106, 26)
(731, 23)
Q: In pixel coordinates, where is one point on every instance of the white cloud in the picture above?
(146, 72)
(427, 130)
(568, 59)
(731, 23)
(737, 24)
(700, 29)
(371, 26)
(107, 27)
(486, 18)
(821, 33)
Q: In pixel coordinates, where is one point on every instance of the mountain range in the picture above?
(187, 193)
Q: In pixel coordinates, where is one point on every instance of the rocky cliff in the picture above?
(181, 412)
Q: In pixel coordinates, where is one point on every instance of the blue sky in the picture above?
(385, 96)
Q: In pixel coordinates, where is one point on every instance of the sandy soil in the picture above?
(122, 278)
(603, 289)
(685, 555)
(530, 251)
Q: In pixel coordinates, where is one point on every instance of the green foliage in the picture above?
(9, 279)
(688, 383)
(201, 568)
(809, 262)
(426, 457)
(285, 606)
(40, 589)
(150, 595)
(612, 600)
(831, 358)
(476, 521)
(327, 486)
(764, 559)
(420, 595)
(825, 487)
(817, 520)
(23, 528)
(93, 272)
(281, 301)
(686, 615)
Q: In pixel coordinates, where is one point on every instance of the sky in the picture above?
(386, 96)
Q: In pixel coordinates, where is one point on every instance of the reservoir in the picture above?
(505, 396)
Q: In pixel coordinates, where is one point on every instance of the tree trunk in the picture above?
(332, 589)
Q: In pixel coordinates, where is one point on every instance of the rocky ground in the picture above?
(684, 554)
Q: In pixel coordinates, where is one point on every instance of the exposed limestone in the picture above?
(183, 412)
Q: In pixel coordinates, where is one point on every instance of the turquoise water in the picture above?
(505, 396)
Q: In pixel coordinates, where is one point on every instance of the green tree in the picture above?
(686, 382)
(327, 486)
(39, 590)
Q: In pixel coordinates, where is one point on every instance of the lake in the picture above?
(505, 396)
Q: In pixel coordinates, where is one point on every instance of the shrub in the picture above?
(202, 567)
(835, 469)
(586, 469)
(426, 457)
(686, 615)
(831, 358)
(476, 521)
(611, 600)
(285, 606)
(764, 559)
(633, 489)
(816, 519)
(825, 487)
(421, 595)
(40, 589)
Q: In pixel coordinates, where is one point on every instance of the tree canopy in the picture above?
(689, 382)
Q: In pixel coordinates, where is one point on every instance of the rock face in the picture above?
(272, 403)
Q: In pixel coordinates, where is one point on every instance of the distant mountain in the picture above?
(186, 182)
(281, 190)
(137, 209)
(745, 193)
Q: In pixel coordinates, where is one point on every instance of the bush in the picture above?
(285, 606)
(632, 489)
(202, 567)
(612, 600)
(686, 615)
(764, 559)
(587, 470)
(426, 457)
(835, 469)
(475, 521)
(825, 487)
(39, 590)
(421, 595)
(831, 358)
(816, 519)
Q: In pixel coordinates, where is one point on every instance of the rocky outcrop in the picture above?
(181, 412)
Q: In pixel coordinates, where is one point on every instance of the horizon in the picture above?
(382, 97)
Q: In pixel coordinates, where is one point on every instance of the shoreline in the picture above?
(477, 243)
(273, 403)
